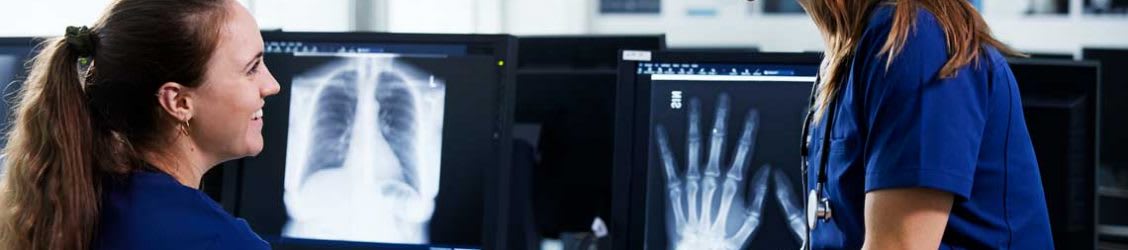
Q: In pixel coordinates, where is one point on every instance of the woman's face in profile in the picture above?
(227, 122)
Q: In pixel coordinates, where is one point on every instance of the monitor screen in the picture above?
(376, 145)
(720, 152)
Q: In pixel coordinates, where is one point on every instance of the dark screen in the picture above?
(1114, 106)
(1060, 101)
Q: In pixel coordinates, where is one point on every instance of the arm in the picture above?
(906, 218)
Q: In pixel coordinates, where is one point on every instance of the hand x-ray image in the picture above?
(363, 161)
(724, 165)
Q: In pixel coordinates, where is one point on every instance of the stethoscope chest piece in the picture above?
(818, 208)
(812, 209)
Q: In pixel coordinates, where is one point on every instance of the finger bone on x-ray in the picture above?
(698, 229)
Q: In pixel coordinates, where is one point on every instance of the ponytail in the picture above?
(88, 106)
(51, 190)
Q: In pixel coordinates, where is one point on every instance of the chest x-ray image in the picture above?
(722, 172)
(365, 138)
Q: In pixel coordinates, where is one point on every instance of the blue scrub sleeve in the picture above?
(924, 131)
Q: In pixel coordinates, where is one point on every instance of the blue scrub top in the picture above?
(905, 127)
(151, 210)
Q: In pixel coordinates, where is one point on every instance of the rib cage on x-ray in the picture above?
(336, 111)
(364, 150)
(333, 119)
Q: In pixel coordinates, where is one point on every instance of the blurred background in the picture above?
(555, 180)
(1043, 26)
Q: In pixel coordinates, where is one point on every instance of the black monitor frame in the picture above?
(1054, 78)
(502, 47)
(1114, 89)
(1114, 104)
(629, 180)
(566, 84)
(579, 53)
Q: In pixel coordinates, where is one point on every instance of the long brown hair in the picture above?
(842, 23)
(77, 126)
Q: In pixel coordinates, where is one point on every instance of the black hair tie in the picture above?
(80, 40)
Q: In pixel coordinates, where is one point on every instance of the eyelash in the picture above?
(254, 69)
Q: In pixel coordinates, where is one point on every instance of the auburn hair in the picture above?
(78, 125)
(842, 23)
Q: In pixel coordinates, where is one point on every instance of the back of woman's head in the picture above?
(88, 103)
(842, 23)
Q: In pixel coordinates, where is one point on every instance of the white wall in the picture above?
(733, 26)
(540, 17)
(303, 15)
(51, 17)
(46, 17)
(444, 16)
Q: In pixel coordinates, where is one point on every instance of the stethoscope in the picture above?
(818, 205)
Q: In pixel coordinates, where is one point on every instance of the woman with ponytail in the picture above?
(918, 139)
(117, 123)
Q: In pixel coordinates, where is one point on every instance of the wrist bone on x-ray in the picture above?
(363, 153)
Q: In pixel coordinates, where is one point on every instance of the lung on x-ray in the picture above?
(362, 162)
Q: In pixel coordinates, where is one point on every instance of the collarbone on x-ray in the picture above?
(363, 157)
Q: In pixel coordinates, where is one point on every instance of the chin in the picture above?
(252, 148)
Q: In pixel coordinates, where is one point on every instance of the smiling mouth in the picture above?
(257, 116)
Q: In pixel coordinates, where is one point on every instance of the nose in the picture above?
(272, 87)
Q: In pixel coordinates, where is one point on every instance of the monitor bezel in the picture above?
(496, 190)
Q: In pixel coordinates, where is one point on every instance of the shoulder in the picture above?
(150, 211)
(919, 60)
(925, 40)
(925, 25)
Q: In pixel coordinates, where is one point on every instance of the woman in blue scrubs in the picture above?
(117, 123)
(918, 139)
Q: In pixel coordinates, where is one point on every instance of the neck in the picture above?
(182, 160)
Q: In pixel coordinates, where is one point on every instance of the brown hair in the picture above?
(842, 23)
(75, 126)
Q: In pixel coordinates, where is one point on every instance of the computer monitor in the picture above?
(737, 119)
(15, 52)
(581, 52)
(382, 141)
(1114, 106)
(1113, 179)
(1050, 55)
(566, 89)
(1059, 99)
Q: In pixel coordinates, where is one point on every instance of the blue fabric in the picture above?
(900, 125)
(151, 210)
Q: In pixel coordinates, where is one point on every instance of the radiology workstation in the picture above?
(471, 141)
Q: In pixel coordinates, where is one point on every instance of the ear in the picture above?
(177, 101)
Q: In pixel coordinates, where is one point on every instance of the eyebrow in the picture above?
(253, 60)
